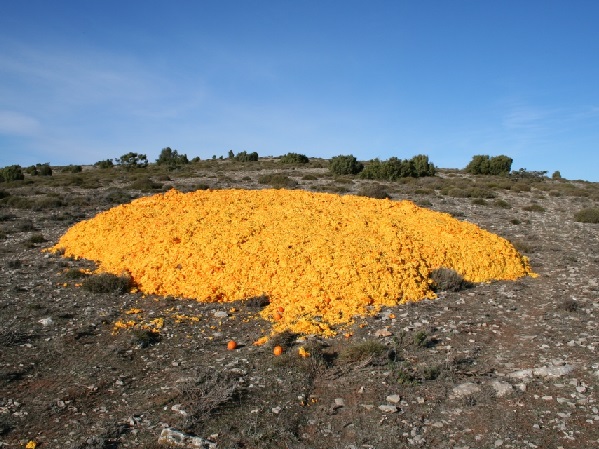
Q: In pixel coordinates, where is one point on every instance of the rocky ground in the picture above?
(502, 365)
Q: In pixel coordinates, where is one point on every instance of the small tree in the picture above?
(131, 161)
(422, 166)
(345, 165)
(485, 165)
(244, 156)
(171, 158)
(556, 175)
(500, 165)
(11, 173)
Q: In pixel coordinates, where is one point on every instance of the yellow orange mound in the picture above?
(322, 259)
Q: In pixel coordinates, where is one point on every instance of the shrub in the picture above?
(145, 185)
(556, 175)
(294, 158)
(345, 165)
(358, 352)
(117, 196)
(277, 180)
(587, 215)
(534, 208)
(171, 158)
(243, 156)
(376, 191)
(107, 163)
(11, 173)
(106, 283)
(73, 169)
(502, 204)
(131, 161)
(394, 168)
(44, 169)
(485, 165)
(447, 279)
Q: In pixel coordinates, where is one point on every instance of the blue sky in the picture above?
(82, 81)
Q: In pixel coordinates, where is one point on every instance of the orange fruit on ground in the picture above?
(232, 345)
(277, 350)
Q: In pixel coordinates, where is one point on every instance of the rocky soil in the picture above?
(498, 365)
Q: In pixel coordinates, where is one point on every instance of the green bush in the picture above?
(44, 169)
(171, 158)
(244, 156)
(11, 173)
(587, 215)
(107, 163)
(394, 168)
(294, 158)
(345, 165)
(485, 165)
(73, 169)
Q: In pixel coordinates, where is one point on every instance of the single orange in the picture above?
(277, 350)
(232, 345)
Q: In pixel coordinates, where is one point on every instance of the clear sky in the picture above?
(83, 80)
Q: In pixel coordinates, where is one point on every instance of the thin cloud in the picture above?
(15, 123)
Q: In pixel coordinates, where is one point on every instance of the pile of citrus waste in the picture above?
(321, 259)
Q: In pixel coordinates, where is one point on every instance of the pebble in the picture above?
(388, 408)
(170, 436)
(465, 389)
(394, 398)
(502, 388)
(383, 333)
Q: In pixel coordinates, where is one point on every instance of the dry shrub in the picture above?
(587, 215)
(446, 279)
(376, 191)
(106, 283)
(207, 393)
(361, 351)
(277, 180)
